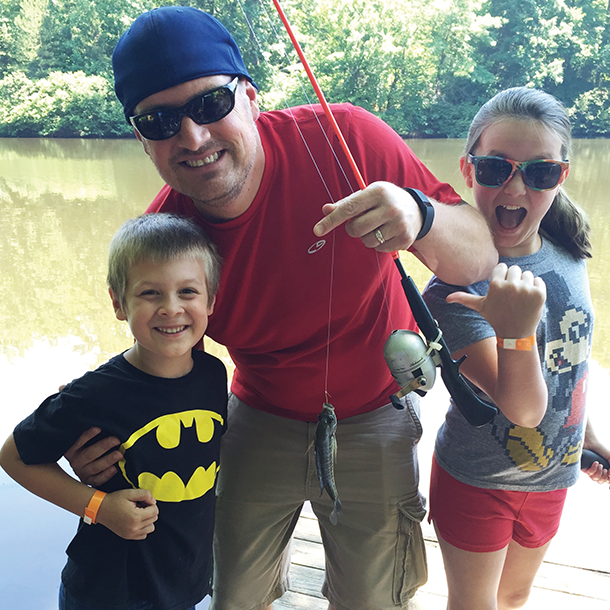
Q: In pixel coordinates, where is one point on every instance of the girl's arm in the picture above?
(129, 513)
(511, 378)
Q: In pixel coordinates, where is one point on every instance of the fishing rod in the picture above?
(476, 411)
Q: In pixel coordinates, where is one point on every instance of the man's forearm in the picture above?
(459, 248)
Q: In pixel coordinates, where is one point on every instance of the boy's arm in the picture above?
(512, 378)
(129, 513)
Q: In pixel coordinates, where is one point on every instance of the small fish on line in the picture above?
(325, 449)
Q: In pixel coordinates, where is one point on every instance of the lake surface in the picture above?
(62, 200)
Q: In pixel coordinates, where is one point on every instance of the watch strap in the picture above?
(426, 209)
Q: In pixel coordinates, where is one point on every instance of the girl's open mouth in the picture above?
(510, 216)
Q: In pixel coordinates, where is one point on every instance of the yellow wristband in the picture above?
(526, 344)
(93, 507)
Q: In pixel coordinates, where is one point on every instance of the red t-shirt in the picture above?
(272, 310)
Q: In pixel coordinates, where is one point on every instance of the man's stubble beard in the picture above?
(207, 206)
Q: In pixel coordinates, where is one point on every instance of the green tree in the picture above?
(62, 105)
(423, 66)
(70, 40)
(560, 46)
(28, 24)
(393, 57)
(590, 113)
(10, 37)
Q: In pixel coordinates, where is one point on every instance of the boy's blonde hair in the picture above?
(160, 237)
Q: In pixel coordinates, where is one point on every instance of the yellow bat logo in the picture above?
(168, 430)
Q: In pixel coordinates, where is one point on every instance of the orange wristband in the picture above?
(526, 344)
(93, 507)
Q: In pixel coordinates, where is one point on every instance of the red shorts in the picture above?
(486, 520)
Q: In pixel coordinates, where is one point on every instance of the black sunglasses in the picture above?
(539, 175)
(204, 108)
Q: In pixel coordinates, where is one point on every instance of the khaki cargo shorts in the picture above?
(375, 555)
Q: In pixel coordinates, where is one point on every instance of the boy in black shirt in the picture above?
(166, 402)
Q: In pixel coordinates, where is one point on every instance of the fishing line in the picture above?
(330, 309)
(477, 411)
(311, 156)
(320, 95)
(330, 117)
(289, 109)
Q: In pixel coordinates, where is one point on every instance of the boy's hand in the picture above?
(513, 305)
(91, 464)
(129, 513)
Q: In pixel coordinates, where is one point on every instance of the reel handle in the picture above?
(588, 457)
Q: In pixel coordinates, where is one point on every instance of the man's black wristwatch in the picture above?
(426, 209)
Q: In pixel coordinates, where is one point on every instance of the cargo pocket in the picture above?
(410, 568)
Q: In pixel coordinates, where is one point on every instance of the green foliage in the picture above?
(70, 39)
(9, 45)
(424, 66)
(590, 114)
(396, 58)
(28, 23)
(446, 120)
(67, 105)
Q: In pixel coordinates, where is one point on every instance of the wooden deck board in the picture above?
(557, 586)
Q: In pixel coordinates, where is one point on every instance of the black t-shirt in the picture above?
(170, 431)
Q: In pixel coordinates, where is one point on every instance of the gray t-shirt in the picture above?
(500, 454)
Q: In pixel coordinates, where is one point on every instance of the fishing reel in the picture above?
(412, 363)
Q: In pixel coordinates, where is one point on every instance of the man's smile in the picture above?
(205, 161)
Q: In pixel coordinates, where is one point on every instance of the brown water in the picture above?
(62, 200)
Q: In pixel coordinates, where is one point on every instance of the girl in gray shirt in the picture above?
(497, 491)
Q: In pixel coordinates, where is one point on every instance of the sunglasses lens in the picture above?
(212, 107)
(542, 176)
(204, 109)
(158, 125)
(492, 172)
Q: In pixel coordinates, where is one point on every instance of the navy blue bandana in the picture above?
(169, 46)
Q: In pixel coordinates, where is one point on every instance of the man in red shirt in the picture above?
(304, 310)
